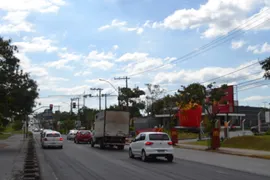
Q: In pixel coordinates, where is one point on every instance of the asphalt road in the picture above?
(81, 162)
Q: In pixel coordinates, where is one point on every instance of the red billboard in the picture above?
(191, 117)
(228, 106)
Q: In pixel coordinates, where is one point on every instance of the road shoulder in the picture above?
(12, 154)
(246, 164)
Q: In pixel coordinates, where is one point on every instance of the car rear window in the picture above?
(159, 137)
(53, 135)
(85, 132)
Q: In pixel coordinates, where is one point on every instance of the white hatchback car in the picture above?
(151, 145)
(52, 139)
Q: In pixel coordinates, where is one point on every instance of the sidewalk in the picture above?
(233, 151)
(12, 156)
(241, 163)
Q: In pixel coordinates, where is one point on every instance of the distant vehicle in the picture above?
(151, 145)
(111, 129)
(264, 128)
(71, 134)
(84, 136)
(52, 139)
(36, 130)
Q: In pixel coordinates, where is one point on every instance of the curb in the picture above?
(226, 152)
(31, 163)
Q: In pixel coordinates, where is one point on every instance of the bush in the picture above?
(268, 132)
(17, 125)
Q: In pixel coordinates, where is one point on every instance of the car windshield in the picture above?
(53, 135)
(159, 137)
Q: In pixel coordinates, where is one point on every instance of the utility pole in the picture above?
(126, 79)
(106, 95)
(99, 95)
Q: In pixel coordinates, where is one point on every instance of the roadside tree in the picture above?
(17, 90)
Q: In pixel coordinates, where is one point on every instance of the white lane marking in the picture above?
(222, 172)
(54, 175)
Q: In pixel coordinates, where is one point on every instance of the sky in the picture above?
(70, 46)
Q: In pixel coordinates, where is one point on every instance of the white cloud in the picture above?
(18, 11)
(65, 59)
(186, 76)
(170, 59)
(140, 62)
(104, 65)
(95, 55)
(73, 90)
(122, 25)
(136, 56)
(219, 16)
(15, 22)
(37, 44)
(31, 5)
(100, 60)
(27, 66)
(82, 73)
(256, 98)
(114, 23)
(237, 44)
(115, 47)
(259, 49)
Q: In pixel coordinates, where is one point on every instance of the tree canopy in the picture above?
(133, 97)
(266, 67)
(206, 96)
(17, 90)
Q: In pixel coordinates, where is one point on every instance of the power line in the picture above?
(223, 75)
(206, 47)
(126, 79)
(231, 72)
(254, 87)
(99, 94)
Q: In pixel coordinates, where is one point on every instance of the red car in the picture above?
(83, 136)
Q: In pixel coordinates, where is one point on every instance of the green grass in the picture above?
(187, 135)
(4, 136)
(244, 142)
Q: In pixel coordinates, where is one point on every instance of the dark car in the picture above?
(83, 136)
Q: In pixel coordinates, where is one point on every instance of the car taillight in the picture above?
(170, 143)
(45, 139)
(61, 139)
(149, 143)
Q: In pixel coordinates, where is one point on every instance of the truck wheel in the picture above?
(101, 144)
(121, 147)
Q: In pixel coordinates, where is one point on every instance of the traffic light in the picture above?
(74, 105)
(51, 107)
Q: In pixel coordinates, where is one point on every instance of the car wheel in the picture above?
(121, 147)
(170, 158)
(143, 156)
(61, 147)
(131, 155)
(92, 143)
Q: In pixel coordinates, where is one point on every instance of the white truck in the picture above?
(111, 129)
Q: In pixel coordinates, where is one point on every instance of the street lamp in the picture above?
(110, 84)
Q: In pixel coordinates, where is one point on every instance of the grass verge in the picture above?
(4, 136)
(244, 142)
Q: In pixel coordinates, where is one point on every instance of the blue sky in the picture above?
(68, 45)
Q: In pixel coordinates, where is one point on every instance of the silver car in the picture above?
(71, 134)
